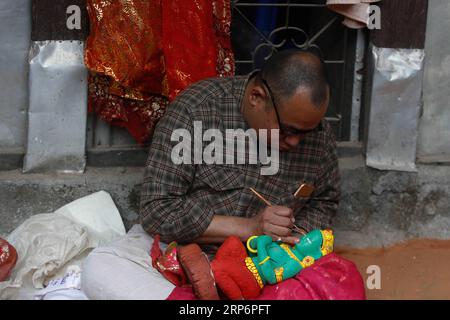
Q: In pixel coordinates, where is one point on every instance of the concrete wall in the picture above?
(15, 29)
(377, 208)
(434, 138)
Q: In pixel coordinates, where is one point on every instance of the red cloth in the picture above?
(8, 259)
(196, 264)
(150, 50)
(230, 272)
(330, 278)
(125, 42)
(196, 42)
(167, 264)
(117, 106)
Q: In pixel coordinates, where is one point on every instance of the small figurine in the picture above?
(241, 273)
(272, 262)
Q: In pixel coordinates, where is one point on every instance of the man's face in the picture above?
(295, 117)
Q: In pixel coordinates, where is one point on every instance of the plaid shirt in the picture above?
(178, 202)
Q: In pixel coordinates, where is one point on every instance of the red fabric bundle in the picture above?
(125, 43)
(330, 278)
(193, 31)
(8, 259)
(231, 274)
(167, 264)
(147, 51)
(196, 264)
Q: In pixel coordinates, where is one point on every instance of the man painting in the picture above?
(207, 203)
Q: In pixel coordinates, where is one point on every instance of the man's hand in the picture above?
(277, 222)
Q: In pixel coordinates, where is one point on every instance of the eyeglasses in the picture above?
(287, 130)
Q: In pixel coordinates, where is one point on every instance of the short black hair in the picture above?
(286, 71)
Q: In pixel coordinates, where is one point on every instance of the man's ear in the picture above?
(257, 96)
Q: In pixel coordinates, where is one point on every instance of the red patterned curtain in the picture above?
(142, 53)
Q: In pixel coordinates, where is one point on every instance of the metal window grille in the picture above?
(259, 27)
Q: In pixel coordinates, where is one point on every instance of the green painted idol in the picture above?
(272, 262)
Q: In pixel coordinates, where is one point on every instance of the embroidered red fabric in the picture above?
(143, 53)
(167, 264)
(112, 104)
(8, 259)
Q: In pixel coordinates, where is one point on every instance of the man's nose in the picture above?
(293, 140)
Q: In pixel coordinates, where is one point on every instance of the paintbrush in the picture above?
(296, 228)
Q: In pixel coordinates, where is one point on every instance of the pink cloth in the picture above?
(355, 11)
(330, 278)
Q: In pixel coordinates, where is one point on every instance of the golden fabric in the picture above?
(148, 48)
(125, 42)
